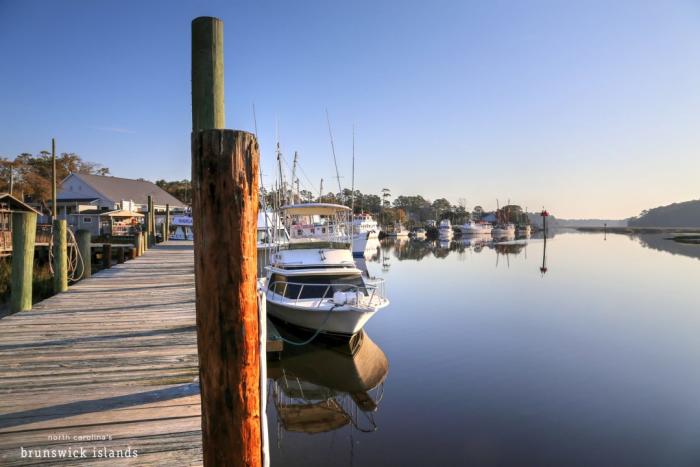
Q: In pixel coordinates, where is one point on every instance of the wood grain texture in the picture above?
(60, 256)
(225, 207)
(23, 237)
(115, 354)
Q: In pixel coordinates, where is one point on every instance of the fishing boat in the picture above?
(476, 228)
(506, 230)
(312, 280)
(398, 231)
(365, 234)
(270, 231)
(524, 230)
(445, 230)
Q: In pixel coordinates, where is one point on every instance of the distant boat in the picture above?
(365, 233)
(503, 230)
(524, 230)
(312, 281)
(445, 230)
(268, 235)
(476, 228)
(398, 231)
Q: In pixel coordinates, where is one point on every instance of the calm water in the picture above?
(482, 359)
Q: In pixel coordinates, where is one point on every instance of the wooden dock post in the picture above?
(107, 255)
(207, 73)
(167, 223)
(225, 208)
(84, 238)
(23, 239)
(225, 168)
(137, 244)
(120, 255)
(149, 219)
(60, 256)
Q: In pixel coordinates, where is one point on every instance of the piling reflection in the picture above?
(327, 385)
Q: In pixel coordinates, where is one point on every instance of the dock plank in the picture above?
(115, 355)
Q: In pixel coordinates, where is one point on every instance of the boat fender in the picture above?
(340, 298)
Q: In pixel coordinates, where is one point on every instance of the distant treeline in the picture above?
(686, 214)
(409, 210)
(30, 174)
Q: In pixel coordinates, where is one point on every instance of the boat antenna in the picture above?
(320, 192)
(352, 185)
(255, 121)
(352, 203)
(294, 175)
(335, 160)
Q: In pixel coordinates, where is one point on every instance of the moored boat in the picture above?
(445, 230)
(476, 228)
(365, 234)
(312, 281)
(398, 231)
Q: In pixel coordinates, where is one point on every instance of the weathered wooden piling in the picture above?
(23, 239)
(225, 168)
(139, 243)
(225, 208)
(84, 239)
(150, 229)
(107, 255)
(60, 256)
(120, 255)
(167, 223)
(207, 73)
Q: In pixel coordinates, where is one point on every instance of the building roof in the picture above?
(15, 204)
(117, 189)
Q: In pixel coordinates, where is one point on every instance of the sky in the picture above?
(590, 109)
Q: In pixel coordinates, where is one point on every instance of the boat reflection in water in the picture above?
(327, 385)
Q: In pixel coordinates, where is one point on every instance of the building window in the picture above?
(87, 219)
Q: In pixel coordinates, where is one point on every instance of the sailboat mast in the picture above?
(335, 159)
(294, 175)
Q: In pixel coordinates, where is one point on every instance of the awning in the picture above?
(311, 209)
(122, 213)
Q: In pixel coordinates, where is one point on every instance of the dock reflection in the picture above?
(327, 385)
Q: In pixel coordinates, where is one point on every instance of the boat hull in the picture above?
(343, 320)
(364, 242)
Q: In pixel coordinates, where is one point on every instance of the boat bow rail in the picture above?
(367, 296)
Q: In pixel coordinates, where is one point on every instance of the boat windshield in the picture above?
(317, 222)
(316, 286)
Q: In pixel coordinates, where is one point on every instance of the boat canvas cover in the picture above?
(310, 209)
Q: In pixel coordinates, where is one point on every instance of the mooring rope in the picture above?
(74, 256)
(318, 331)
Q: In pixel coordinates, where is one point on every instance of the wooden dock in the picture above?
(115, 357)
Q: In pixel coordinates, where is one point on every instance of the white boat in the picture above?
(270, 230)
(420, 234)
(312, 281)
(365, 235)
(524, 230)
(476, 228)
(398, 231)
(503, 230)
(445, 230)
